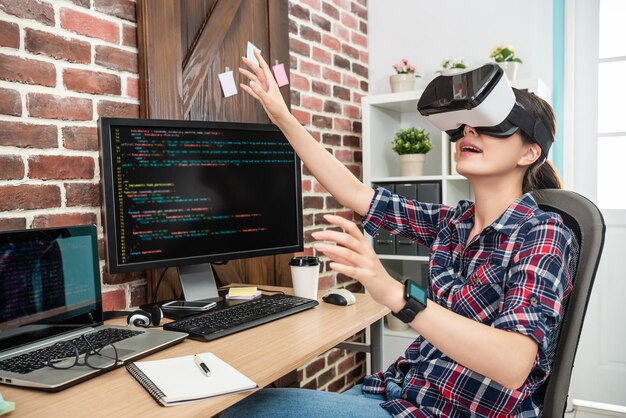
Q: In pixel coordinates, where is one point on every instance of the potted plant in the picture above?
(505, 57)
(412, 144)
(452, 65)
(405, 76)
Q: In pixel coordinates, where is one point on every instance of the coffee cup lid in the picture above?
(304, 261)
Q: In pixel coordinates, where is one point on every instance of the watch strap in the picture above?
(410, 310)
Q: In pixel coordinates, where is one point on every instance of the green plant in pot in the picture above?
(505, 56)
(412, 144)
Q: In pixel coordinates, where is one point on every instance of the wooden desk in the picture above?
(264, 354)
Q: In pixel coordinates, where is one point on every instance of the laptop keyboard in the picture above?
(34, 360)
(219, 323)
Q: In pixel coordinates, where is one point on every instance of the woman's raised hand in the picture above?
(263, 87)
(355, 257)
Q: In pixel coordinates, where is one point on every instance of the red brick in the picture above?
(313, 4)
(27, 71)
(313, 202)
(309, 34)
(331, 75)
(116, 58)
(58, 47)
(345, 365)
(113, 300)
(39, 11)
(310, 68)
(330, 10)
(331, 42)
(337, 384)
(10, 224)
(124, 9)
(312, 103)
(360, 69)
(342, 124)
(296, 46)
(132, 87)
(359, 10)
(299, 82)
(341, 62)
(64, 219)
(359, 39)
(315, 367)
(10, 102)
(28, 196)
(331, 139)
(11, 167)
(350, 51)
(93, 82)
(351, 141)
(138, 294)
(323, 122)
(321, 87)
(82, 138)
(349, 21)
(24, 135)
(325, 377)
(82, 3)
(351, 111)
(341, 93)
(129, 36)
(332, 107)
(318, 188)
(111, 109)
(48, 167)
(342, 4)
(303, 117)
(322, 56)
(298, 11)
(49, 106)
(331, 203)
(343, 155)
(88, 25)
(341, 32)
(82, 194)
(9, 35)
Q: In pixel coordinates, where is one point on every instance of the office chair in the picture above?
(585, 219)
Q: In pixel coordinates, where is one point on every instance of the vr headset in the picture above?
(483, 99)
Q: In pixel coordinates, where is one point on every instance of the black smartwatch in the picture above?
(415, 302)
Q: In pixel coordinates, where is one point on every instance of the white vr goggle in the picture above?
(483, 99)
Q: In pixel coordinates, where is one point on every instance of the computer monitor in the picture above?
(187, 193)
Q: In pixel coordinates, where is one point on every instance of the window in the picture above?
(611, 104)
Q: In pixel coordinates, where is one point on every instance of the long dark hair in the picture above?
(541, 174)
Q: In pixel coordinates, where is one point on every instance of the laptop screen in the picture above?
(49, 283)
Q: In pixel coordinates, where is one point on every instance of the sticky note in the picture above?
(227, 80)
(280, 74)
(250, 54)
(242, 291)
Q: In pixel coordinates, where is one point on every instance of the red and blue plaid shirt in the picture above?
(515, 275)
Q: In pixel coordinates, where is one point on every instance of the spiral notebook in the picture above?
(178, 380)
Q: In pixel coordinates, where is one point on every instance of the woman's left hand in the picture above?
(354, 257)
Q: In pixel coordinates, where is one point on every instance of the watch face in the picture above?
(415, 292)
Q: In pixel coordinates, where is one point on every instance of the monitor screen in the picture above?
(187, 192)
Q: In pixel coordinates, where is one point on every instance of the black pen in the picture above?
(203, 367)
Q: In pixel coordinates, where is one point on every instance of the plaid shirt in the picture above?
(514, 275)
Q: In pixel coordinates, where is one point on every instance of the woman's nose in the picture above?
(469, 130)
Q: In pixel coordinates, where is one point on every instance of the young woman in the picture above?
(500, 272)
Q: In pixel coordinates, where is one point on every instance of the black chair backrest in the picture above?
(585, 219)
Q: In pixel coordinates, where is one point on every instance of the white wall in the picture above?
(428, 31)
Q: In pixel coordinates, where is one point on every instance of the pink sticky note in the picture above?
(280, 74)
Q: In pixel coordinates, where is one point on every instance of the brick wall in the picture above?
(329, 75)
(63, 64)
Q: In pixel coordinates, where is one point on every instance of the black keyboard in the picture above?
(222, 322)
(34, 360)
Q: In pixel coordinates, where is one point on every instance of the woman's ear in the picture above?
(532, 154)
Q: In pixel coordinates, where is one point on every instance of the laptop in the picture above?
(50, 292)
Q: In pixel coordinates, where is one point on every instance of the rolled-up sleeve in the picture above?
(538, 284)
(411, 219)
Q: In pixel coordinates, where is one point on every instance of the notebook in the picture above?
(50, 292)
(179, 380)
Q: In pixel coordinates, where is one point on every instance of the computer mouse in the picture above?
(342, 297)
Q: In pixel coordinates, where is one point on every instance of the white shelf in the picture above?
(408, 333)
(402, 257)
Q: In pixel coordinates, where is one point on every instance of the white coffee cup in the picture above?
(305, 275)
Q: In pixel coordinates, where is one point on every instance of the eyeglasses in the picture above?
(66, 354)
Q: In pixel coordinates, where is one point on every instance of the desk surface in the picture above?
(264, 354)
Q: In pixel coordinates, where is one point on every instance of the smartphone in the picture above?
(194, 305)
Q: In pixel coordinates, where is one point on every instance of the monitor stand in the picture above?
(198, 282)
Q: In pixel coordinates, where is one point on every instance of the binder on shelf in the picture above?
(428, 193)
(406, 246)
(385, 241)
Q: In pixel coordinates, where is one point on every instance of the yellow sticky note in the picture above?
(242, 291)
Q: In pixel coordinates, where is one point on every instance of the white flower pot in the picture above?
(412, 165)
(402, 82)
(450, 71)
(510, 69)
